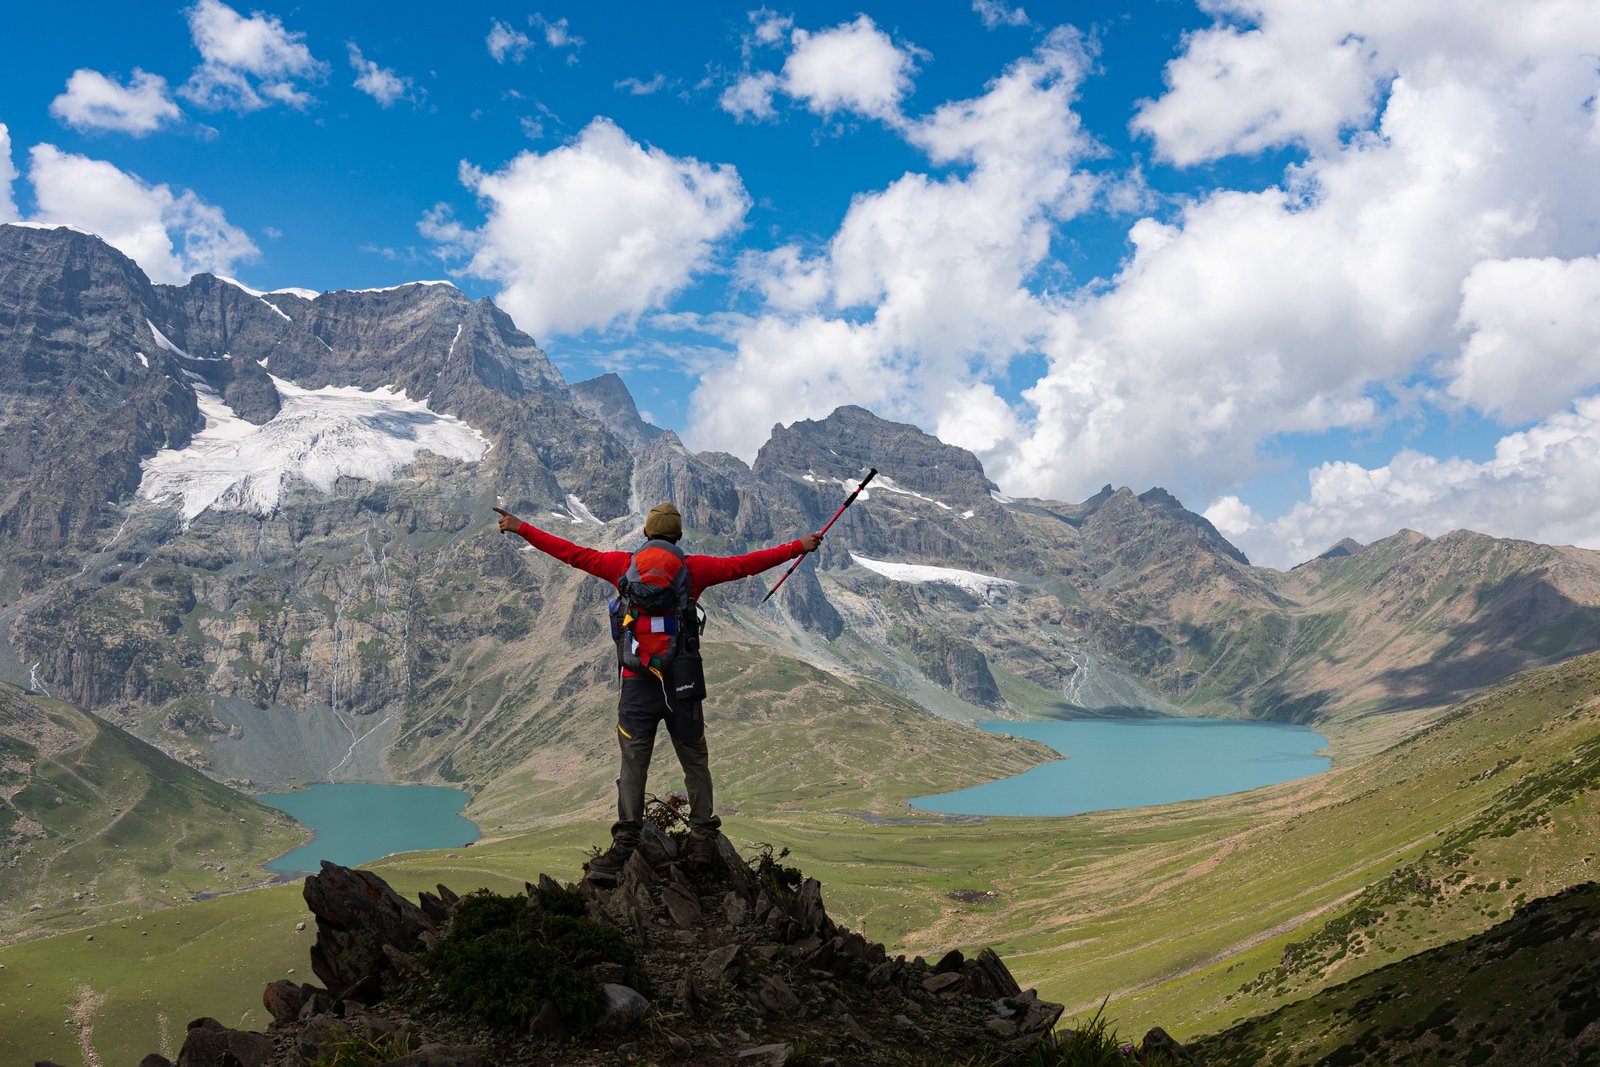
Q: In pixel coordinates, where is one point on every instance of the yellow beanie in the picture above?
(664, 521)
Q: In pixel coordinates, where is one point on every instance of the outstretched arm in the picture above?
(606, 565)
(713, 570)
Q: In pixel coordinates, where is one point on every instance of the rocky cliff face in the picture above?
(86, 394)
(370, 601)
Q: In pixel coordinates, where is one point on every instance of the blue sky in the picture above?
(1322, 273)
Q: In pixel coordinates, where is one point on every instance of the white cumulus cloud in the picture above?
(171, 234)
(1534, 335)
(853, 67)
(922, 293)
(1231, 516)
(247, 63)
(1275, 72)
(93, 101)
(1539, 485)
(380, 83)
(596, 231)
(1285, 310)
(750, 96)
(8, 175)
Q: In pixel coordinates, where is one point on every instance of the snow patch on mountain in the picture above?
(163, 343)
(318, 436)
(581, 513)
(54, 226)
(258, 294)
(971, 581)
(392, 288)
(889, 485)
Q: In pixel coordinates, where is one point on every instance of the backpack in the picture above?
(655, 623)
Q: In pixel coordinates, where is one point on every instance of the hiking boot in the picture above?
(703, 850)
(606, 868)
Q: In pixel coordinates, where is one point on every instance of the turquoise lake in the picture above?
(358, 823)
(1133, 763)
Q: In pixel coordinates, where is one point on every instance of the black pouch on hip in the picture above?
(688, 678)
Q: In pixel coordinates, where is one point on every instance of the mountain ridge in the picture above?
(386, 610)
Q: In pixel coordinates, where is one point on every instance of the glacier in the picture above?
(318, 436)
(971, 581)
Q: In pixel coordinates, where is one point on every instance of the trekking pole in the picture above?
(851, 499)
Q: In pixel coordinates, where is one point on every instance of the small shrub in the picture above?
(364, 1052)
(778, 877)
(504, 956)
(1094, 1044)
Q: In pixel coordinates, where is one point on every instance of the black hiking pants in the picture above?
(641, 708)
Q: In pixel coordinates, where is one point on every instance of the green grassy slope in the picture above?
(96, 823)
(1525, 991)
(1184, 915)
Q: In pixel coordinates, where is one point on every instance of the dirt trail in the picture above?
(83, 1009)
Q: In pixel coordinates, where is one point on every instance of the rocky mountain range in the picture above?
(255, 528)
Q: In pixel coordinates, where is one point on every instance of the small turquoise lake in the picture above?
(1134, 763)
(358, 823)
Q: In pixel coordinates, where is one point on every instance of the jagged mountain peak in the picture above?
(1344, 547)
(1144, 520)
(607, 399)
(852, 439)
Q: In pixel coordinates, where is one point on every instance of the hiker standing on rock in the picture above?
(655, 621)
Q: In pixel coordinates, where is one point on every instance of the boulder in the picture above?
(210, 1044)
(1157, 1042)
(623, 1009)
(357, 916)
(283, 1000)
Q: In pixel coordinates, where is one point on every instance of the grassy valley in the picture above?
(97, 823)
(1192, 916)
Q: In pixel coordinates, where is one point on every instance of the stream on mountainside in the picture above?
(356, 823)
(1135, 763)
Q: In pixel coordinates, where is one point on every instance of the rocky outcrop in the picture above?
(362, 925)
(738, 963)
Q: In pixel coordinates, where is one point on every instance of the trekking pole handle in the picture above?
(851, 499)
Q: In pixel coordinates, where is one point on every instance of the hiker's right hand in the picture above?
(509, 523)
(810, 541)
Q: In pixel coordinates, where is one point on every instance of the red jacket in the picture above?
(704, 571)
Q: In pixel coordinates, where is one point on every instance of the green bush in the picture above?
(363, 1052)
(504, 956)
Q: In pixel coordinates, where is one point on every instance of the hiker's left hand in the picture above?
(509, 523)
(810, 541)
